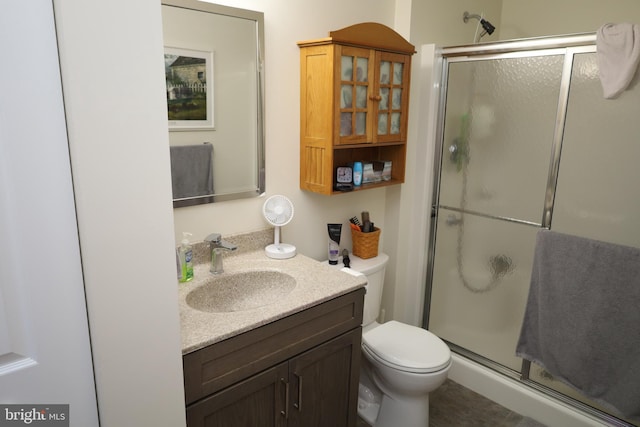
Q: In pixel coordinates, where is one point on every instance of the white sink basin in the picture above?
(239, 291)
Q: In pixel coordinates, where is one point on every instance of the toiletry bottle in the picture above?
(185, 254)
(334, 242)
(357, 174)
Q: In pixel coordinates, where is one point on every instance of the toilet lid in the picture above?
(407, 348)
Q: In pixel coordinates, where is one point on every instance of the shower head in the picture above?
(487, 27)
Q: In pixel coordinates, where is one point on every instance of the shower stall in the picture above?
(526, 141)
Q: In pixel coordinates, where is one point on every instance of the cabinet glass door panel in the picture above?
(345, 124)
(361, 123)
(398, 68)
(346, 96)
(362, 70)
(361, 97)
(395, 123)
(384, 98)
(346, 69)
(385, 84)
(382, 124)
(355, 105)
(498, 135)
(396, 100)
(392, 99)
(385, 70)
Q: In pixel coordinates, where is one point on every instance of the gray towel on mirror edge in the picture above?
(191, 170)
(582, 319)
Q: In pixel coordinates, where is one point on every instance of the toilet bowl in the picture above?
(401, 364)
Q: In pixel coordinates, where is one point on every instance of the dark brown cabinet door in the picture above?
(324, 383)
(300, 371)
(256, 402)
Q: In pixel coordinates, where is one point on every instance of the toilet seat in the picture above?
(406, 348)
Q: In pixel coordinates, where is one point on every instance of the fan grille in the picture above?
(278, 210)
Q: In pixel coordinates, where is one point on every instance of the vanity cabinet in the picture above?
(299, 371)
(354, 101)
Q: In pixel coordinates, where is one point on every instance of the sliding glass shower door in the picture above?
(497, 144)
(526, 141)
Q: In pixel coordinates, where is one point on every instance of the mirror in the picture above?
(214, 61)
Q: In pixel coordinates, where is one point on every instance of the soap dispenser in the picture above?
(185, 258)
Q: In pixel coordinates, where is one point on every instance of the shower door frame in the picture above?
(568, 46)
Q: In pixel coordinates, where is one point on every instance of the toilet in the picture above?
(401, 363)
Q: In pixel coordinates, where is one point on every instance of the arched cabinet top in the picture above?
(367, 34)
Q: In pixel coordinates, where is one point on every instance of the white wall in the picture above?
(112, 71)
(522, 18)
(440, 22)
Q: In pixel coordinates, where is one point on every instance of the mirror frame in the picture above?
(258, 18)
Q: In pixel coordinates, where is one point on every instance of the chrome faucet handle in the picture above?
(215, 241)
(213, 238)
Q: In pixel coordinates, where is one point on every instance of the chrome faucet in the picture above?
(216, 246)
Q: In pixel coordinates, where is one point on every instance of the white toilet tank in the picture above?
(373, 268)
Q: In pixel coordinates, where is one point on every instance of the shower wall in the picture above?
(506, 150)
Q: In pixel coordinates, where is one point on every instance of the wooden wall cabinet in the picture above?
(300, 371)
(354, 102)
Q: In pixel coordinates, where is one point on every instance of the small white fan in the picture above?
(278, 211)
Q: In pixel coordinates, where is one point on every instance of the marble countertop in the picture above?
(316, 282)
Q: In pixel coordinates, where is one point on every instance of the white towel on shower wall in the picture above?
(618, 56)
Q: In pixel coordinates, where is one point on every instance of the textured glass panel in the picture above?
(481, 276)
(397, 73)
(499, 126)
(362, 69)
(395, 123)
(345, 96)
(361, 96)
(382, 124)
(347, 68)
(385, 70)
(597, 194)
(345, 124)
(383, 104)
(361, 123)
(396, 102)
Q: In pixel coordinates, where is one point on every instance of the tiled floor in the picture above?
(452, 405)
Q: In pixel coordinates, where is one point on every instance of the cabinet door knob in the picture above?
(375, 98)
